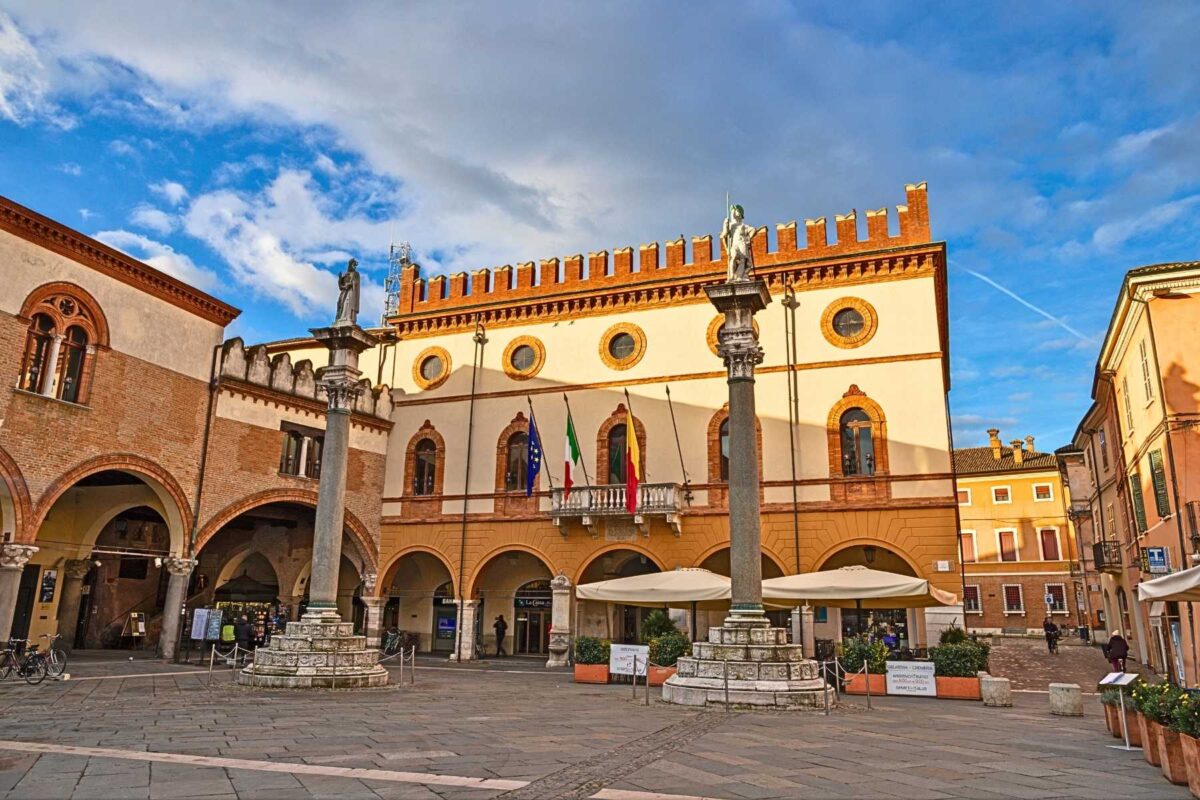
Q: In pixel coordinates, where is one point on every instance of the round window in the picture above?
(848, 322)
(431, 368)
(523, 358)
(621, 346)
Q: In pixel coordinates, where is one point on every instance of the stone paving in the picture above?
(1027, 664)
(513, 730)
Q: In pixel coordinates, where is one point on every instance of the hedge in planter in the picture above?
(657, 623)
(1155, 703)
(1185, 719)
(590, 650)
(858, 650)
(956, 667)
(666, 649)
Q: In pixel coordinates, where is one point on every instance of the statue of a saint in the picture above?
(348, 289)
(736, 235)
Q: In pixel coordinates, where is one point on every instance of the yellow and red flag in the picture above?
(633, 457)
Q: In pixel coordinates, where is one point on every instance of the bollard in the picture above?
(1066, 700)
(996, 692)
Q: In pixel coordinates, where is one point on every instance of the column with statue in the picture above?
(763, 668)
(321, 650)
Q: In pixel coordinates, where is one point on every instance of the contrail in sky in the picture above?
(1025, 303)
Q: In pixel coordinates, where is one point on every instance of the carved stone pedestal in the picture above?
(764, 671)
(318, 652)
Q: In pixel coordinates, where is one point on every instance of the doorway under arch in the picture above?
(619, 623)
(496, 585)
(420, 600)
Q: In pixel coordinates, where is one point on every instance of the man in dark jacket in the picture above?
(1051, 631)
(243, 633)
(1117, 650)
(501, 628)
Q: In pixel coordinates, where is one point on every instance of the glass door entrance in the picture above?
(533, 632)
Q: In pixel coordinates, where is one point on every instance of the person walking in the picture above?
(501, 628)
(1116, 651)
(1051, 631)
(243, 633)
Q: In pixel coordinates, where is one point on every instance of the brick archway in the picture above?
(18, 492)
(360, 535)
(151, 472)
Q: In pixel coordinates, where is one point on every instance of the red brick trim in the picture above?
(94, 322)
(387, 573)
(14, 481)
(56, 237)
(124, 462)
(514, 502)
(423, 505)
(857, 487)
(359, 533)
(617, 418)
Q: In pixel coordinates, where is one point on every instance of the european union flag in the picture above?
(535, 458)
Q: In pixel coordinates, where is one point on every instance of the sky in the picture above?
(250, 150)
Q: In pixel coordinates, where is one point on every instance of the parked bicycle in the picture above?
(24, 658)
(56, 656)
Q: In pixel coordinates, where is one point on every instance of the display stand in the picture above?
(1121, 680)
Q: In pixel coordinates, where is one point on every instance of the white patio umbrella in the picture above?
(1181, 586)
(856, 587)
(678, 588)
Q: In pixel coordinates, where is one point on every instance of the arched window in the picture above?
(616, 454)
(70, 364)
(425, 474)
(289, 460)
(312, 461)
(65, 328)
(858, 447)
(516, 462)
(37, 351)
(724, 449)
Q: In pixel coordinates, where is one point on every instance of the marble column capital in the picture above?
(561, 583)
(16, 556)
(77, 568)
(179, 566)
(374, 602)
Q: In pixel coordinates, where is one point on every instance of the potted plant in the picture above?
(858, 651)
(956, 667)
(1111, 700)
(1145, 698)
(656, 623)
(1185, 720)
(1170, 750)
(665, 651)
(591, 660)
(1133, 728)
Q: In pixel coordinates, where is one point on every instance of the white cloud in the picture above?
(24, 86)
(171, 191)
(1113, 235)
(157, 220)
(70, 168)
(160, 256)
(120, 147)
(87, 214)
(327, 165)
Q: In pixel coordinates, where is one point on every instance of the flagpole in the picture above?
(533, 423)
(587, 481)
(687, 488)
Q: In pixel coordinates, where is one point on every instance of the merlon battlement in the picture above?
(600, 269)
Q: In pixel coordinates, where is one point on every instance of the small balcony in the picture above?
(589, 505)
(1107, 556)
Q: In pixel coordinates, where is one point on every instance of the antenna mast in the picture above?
(399, 257)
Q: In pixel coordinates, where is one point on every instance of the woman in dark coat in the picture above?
(1117, 650)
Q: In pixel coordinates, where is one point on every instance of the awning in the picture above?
(677, 588)
(856, 586)
(1182, 586)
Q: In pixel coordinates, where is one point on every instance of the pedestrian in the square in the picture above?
(1116, 651)
(501, 628)
(243, 633)
(1051, 631)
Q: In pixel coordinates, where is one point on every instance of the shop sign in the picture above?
(445, 601)
(446, 627)
(49, 581)
(911, 677)
(533, 602)
(1158, 560)
(621, 658)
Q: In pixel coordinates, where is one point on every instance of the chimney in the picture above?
(1029, 445)
(1018, 454)
(994, 441)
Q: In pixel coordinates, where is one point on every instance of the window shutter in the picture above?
(1160, 483)
(1139, 503)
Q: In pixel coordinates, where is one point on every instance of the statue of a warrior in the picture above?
(348, 291)
(736, 235)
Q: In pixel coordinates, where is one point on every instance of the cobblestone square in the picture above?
(511, 729)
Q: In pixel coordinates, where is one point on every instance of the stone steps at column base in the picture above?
(312, 677)
(332, 643)
(312, 658)
(758, 694)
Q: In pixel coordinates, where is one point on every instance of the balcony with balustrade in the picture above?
(1107, 556)
(593, 506)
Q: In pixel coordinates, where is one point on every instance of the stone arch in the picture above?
(767, 553)
(17, 508)
(98, 525)
(426, 431)
(387, 572)
(170, 493)
(857, 398)
(633, 547)
(94, 322)
(617, 417)
(483, 563)
(864, 541)
(360, 534)
(718, 492)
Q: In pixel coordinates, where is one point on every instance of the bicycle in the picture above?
(28, 661)
(56, 657)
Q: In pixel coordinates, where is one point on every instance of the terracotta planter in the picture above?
(591, 673)
(1149, 739)
(856, 685)
(1191, 758)
(1170, 753)
(958, 688)
(1135, 727)
(658, 675)
(1108, 718)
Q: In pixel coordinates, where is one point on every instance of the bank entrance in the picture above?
(531, 605)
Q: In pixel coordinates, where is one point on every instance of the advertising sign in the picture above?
(214, 625)
(620, 658)
(1158, 560)
(49, 581)
(446, 627)
(199, 623)
(911, 677)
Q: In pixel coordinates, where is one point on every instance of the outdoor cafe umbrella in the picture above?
(856, 587)
(1181, 587)
(688, 587)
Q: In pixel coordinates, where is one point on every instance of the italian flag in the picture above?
(571, 457)
(632, 459)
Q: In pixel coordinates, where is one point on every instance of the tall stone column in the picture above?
(374, 621)
(560, 621)
(74, 571)
(739, 301)
(13, 558)
(180, 570)
(468, 612)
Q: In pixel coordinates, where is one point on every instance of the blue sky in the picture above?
(252, 151)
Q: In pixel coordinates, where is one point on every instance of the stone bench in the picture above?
(1066, 700)
(996, 692)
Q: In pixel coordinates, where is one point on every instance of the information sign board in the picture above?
(1158, 561)
(911, 677)
(214, 625)
(199, 624)
(621, 658)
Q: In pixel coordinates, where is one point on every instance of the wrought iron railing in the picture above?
(1107, 556)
